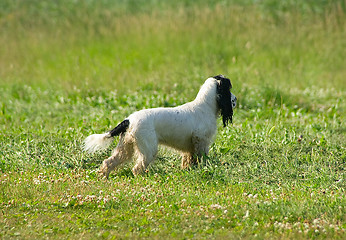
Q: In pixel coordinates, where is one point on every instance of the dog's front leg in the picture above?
(200, 148)
(187, 160)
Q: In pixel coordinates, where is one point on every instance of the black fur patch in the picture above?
(121, 128)
(223, 98)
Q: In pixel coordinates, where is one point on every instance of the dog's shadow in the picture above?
(164, 165)
(94, 161)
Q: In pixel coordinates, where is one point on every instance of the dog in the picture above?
(189, 128)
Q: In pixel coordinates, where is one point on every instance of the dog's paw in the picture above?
(103, 173)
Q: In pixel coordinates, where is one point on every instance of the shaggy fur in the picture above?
(189, 128)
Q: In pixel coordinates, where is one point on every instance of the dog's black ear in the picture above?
(223, 98)
(222, 78)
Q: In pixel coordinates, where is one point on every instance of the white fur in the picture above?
(189, 128)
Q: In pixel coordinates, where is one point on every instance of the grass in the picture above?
(76, 68)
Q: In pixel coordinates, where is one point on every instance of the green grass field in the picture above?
(72, 68)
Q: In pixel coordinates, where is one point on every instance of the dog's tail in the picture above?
(99, 142)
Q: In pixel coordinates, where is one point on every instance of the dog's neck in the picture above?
(207, 95)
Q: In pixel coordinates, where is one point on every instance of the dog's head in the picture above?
(226, 101)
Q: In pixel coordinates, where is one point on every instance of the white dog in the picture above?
(189, 128)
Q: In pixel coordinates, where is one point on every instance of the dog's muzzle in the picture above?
(233, 100)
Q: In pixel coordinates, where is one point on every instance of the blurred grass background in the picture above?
(121, 45)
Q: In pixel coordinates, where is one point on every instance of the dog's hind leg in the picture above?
(146, 151)
(122, 153)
